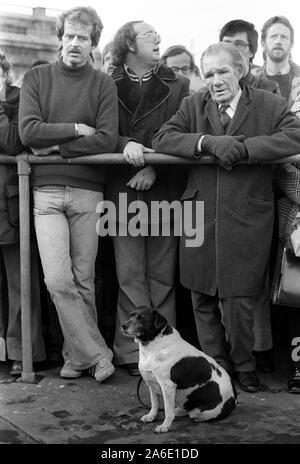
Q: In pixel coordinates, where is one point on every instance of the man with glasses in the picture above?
(149, 94)
(243, 36)
(182, 62)
(179, 59)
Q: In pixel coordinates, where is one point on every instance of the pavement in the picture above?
(82, 411)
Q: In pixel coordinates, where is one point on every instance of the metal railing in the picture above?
(24, 162)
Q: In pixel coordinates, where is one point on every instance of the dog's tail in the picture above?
(210, 415)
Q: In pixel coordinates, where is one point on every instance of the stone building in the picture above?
(25, 38)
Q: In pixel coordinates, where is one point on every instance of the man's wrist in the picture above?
(199, 150)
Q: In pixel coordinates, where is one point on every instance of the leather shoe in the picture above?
(264, 362)
(294, 381)
(132, 369)
(248, 381)
(16, 368)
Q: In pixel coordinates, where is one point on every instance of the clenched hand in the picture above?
(227, 149)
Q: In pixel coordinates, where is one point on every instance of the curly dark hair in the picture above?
(124, 37)
(274, 20)
(6, 68)
(239, 25)
(84, 15)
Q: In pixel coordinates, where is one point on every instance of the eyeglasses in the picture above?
(184, 70)
(149, 36)
(240, 44)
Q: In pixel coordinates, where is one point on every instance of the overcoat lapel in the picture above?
(212, 114)
(241, 112)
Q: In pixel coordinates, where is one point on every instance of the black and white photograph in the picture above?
(149, 228)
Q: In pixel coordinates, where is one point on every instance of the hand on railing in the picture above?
(134, 153)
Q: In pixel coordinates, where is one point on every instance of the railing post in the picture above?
(24, 171)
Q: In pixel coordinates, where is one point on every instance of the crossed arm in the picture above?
(70, 139)
(279, 138)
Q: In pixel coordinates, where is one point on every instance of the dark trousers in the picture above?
(12, 337)
(225, 329)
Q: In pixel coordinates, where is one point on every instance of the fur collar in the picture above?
(158, 91)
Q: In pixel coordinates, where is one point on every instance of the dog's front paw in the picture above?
(162, 428)
(148, 417)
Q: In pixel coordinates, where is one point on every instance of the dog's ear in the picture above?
(159, 320)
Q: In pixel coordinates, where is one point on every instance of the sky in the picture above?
(193, 23)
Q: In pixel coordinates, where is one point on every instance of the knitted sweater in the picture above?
(53, 98)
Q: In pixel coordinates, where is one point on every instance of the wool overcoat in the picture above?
(238, 204)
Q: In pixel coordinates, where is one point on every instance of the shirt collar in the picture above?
(234, 102)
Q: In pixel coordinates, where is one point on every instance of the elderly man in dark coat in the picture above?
(234, 123)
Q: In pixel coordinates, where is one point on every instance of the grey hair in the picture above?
(237, 58)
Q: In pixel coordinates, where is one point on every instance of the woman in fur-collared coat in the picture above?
(10, 322)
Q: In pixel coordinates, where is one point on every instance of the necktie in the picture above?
(224, 117)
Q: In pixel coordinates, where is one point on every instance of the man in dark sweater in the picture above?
(69, 107)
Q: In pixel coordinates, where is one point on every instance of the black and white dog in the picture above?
(191, 382)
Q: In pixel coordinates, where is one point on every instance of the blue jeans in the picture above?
(65, 223)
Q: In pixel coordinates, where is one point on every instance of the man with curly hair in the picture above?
(149, 93)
